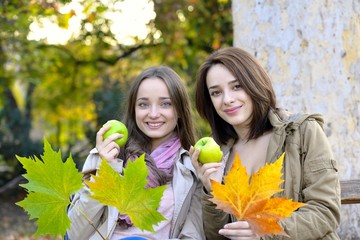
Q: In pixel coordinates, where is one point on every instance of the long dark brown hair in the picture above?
(138, 143)
(256, 83)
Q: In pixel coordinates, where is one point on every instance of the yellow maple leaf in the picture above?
(253, 200)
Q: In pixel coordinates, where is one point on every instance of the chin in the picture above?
(152, 134)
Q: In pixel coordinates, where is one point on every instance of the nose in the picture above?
(228, 98)
(154, 112)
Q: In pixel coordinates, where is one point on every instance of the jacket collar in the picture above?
(279, 120)
(283, 122)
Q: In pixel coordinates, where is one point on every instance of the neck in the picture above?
(243, 134)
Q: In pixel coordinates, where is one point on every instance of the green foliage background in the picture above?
(66, 92)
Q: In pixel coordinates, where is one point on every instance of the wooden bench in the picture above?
(350, 191)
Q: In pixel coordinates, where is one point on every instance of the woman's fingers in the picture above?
(194, 154)
(113, 153)
(204, 171)
(207, 171)
(100, 133)
(240, 230)
(107, 148)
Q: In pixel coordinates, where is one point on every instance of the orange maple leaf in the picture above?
(252, 200)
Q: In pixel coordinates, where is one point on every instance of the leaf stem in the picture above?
(89, 220)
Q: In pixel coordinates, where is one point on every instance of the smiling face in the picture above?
(155, 114)
(230, 100)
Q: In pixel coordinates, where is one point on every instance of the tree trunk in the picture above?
(312, 52)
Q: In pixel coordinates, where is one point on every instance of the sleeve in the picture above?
(320, 218)
(188, 223)
(193, 225)
(83, 208)
(214, 219)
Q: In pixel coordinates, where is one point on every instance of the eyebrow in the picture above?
(145, 98)
(231, 82)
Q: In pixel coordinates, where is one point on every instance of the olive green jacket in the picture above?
(310, 175)
(187, 218)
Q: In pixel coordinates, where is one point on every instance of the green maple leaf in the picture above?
(128, 194)
(50, 184)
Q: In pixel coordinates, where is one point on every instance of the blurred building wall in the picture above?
(312, 52)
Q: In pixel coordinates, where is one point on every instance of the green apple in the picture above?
(209, 150)
(117, 127)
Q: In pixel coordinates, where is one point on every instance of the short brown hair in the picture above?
(256, 83)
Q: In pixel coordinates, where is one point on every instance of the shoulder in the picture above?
(283, 118)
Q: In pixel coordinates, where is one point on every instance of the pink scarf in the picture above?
(164, 157)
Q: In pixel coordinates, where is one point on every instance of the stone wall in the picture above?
(312, 52)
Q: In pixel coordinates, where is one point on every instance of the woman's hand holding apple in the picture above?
(116, 127)
(108, 144)
(206, 171)
(210, 150)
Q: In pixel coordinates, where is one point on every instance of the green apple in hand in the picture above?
(209, 150)
(117, 127)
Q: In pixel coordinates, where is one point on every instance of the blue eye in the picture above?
(166, 104)
(142, 105)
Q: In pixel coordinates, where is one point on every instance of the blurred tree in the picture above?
(67, 91)
(15, 111)
(190, 31)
